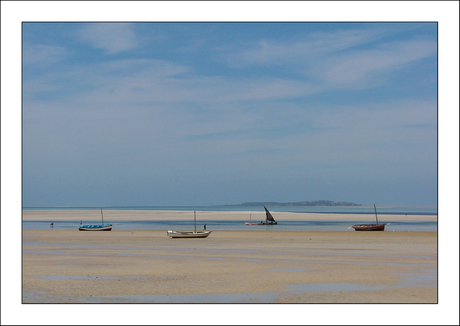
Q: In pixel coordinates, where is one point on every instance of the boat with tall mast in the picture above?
(269, 220)
(189, 234)
(370, 227)
(96, 227)
(254, 223)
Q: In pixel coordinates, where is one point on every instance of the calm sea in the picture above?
(240, 225)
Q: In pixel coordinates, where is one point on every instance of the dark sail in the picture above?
(269, 217)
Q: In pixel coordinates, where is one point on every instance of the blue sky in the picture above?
(157, 114)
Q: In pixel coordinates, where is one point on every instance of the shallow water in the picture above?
(273, 259)
(427, 277)
(236, 225)
(334, 287)
(265, 297)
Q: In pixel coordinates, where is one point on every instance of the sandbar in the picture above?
(155, 215)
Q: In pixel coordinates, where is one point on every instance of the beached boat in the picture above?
(189, 234)
(269, 220)
(370, 227)
(96, 227)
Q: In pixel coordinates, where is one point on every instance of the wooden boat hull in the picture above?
(369, 227)
(188, 234)
(95, 227)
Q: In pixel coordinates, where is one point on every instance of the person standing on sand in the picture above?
(204, 227)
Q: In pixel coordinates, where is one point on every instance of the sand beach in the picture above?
(155, 215)
(251, 266)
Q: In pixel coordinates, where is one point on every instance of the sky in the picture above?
(178, 114)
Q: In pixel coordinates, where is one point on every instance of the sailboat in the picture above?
(269, 220)
(370, 227)
(254, 223)
(96, 227)
(189, 234)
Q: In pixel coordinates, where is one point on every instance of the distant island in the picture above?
(301, 203)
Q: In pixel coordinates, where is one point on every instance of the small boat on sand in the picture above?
(95, 227)
(370, 227)
(189, 234)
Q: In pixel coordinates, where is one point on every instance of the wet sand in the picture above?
(254, 266)
(285, 268)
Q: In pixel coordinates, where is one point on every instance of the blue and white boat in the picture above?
(95, 227)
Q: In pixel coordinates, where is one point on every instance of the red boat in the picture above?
(370, 227)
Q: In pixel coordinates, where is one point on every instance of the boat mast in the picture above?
(375, 209)
(102, 216)
(194, 213)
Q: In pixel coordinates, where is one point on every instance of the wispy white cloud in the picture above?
(268, 52)
(110, 37)
(145, 67)
(357, 67)
(341, 59)
(43, 55)
(160, 81)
